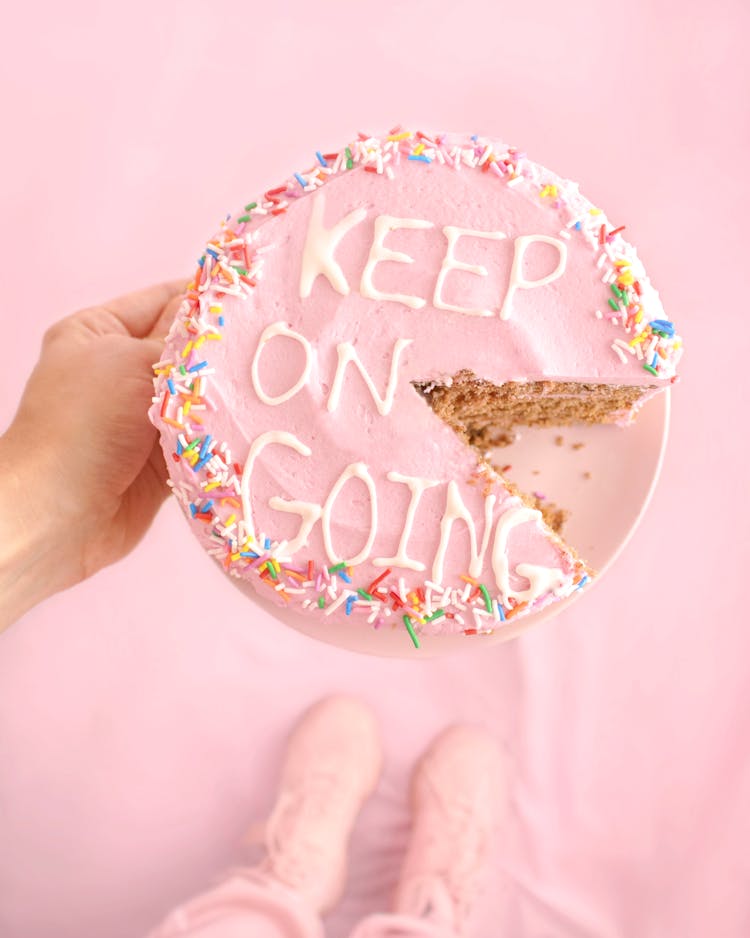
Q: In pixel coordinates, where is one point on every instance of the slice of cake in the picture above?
(354, 340)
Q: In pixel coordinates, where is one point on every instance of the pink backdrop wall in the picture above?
(141, 717)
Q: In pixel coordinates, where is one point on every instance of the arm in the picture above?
(27, 566)
(81, 472)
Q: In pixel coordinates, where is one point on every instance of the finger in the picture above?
(166, 317)
(159, 467)
(142, 500)
(139, 312)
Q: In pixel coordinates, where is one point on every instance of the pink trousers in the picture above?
(249, 905)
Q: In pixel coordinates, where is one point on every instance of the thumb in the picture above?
(166, 318)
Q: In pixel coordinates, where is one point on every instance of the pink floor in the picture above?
(142, 714)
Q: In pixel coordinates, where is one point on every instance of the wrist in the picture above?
(34, 561)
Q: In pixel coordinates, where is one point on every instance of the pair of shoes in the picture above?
(332, 764)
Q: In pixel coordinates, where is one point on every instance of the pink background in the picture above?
(142, 714)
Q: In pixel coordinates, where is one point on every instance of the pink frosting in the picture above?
(565, 329)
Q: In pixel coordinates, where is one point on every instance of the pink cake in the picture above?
(350, 343)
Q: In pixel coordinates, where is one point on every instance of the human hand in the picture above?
(81, 468)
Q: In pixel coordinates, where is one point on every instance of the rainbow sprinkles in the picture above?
(553, 293)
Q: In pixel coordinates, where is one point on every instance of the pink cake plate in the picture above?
(603, 475)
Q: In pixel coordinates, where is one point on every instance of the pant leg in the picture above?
(399, 926)
(245, 905)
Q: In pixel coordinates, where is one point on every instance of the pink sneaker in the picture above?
(459, 791)
(333, 761)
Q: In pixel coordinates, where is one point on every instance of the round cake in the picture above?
(352, 344)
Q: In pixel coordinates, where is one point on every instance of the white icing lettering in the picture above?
(265, 439)
(417, 486)
(347, 353)
(517, 279)
(356, 470)
(280, 328)
(320, 246)
(309, 512)
(378, 252)
(456, 510)
(451, 263)
(541, 579)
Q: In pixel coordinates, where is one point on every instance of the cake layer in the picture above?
(485, 413)
(287, 397)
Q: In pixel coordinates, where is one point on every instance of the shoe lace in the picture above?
(294, 832)
(460, 846)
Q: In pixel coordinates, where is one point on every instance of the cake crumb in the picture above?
(535, 472)
(559, 440)
(577, 445)
(586, 475)
(554, 516)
